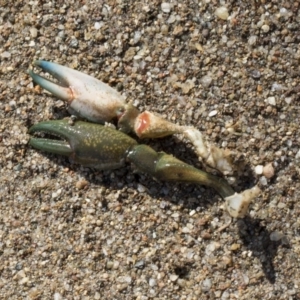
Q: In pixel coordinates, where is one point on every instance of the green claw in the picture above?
(89, 144)
(101, 147)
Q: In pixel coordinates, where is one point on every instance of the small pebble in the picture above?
(56, 193)
(13, 103)
(164, 29)
(124, 279)
(210, 248)
(57, 296)
(213, 113)
(152, 282)
(181, 282)
(190, 254)
(192, 212)
(268, 171)
(263, 180)
(276, 236)
(252, 40)
(5, 54)
(33, 32)
(97, 296)
(206, 285)
(175, 215)
(141, 188)
(206, 81)
(97, 25)
(81, 184)
(227, 260)
(173, 277)
(187, 86)
(256, 74)
(235, 247)
(297, 156)
(284, 12)
(259, 169)
(20, 274)
(276, 87)
(171, 19)
(23, 280)
(109, 264)
(225, 295)
(222, 13)
(166, 7)
(186, 230)
(271, 101)
(245, 278)
(140, 264)
(281, 205)
(265, 28)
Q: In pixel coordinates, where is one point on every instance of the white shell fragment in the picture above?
(237, 205)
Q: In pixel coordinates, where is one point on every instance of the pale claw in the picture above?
(86, 96)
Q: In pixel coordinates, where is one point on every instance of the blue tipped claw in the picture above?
(86, 96)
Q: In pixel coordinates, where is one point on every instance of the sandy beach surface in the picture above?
(228, 68)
